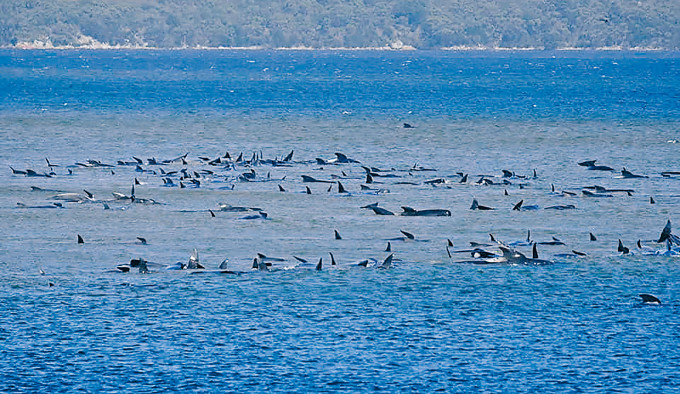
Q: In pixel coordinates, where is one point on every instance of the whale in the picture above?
(32, 173)
(625, 174)
(475, 206)
(407, 237)
(260, 215)
(590, 165)
(377, 210)
(552, 242)
(342, 158)
(520, 207)
(408, 211)
(17, 172)
(561, 207)
(309, 179)
(588, 193)
(194, 262)
(514, 257)
(649, 299)
(54, 205)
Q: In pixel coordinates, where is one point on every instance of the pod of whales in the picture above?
(248, 174)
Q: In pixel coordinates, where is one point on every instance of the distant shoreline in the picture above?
(102, 47)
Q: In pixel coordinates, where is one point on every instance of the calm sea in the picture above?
(69, 322)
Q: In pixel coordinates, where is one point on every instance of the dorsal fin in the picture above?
(341, 157)
(592, 237)
(212, 214)
(649, 299)
(506, 192)
(307, 190)
(389, 247)
(493, 239)
(319, 264)
(534, 252)
(281, 189)
(529, 236)
(369, 178)
(464, 179)
(337, 234)
(639, 244)
(388, 262)
(518, 206)
(341, 188)
(332, 258)
(666, 232)
(80, 239)
(89, 195)
(651, 200)
(448, 242)
(475, 204)
(507, 252)
(407, 234)
(408, 209)
(143, 269)
(290, 156)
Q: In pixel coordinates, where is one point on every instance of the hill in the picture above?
(424, 24)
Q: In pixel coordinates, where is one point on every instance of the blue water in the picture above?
(430, 323)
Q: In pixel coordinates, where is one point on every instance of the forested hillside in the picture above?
(422, 24)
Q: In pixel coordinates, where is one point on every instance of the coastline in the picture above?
(398, 47)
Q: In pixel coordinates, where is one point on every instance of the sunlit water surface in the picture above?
(427, 324)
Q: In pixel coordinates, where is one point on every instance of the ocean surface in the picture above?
(71, 321)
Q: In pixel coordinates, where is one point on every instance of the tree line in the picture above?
(423, 24)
